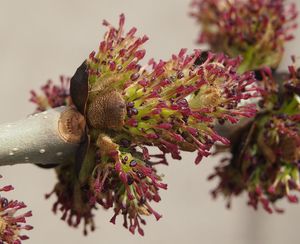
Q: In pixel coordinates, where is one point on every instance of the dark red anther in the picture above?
(133, 163)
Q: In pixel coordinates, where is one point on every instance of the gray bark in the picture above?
(50, 137)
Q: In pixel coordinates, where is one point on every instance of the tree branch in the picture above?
(50, 137)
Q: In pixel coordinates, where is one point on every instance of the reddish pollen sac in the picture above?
(140, 54)
(134, 76)
(133, 163)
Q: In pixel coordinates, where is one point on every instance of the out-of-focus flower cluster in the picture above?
(255, 29)
(11, 222)
(266, 152)
(172, 105)
(53, 95)
(72, 199)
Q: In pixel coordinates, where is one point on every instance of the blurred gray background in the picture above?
(43, 39)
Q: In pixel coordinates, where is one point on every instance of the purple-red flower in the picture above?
(172, 105)
(53, 95)
(11, 222)
(175, 103)
(255, 29)
(72, 199)
(266, 152)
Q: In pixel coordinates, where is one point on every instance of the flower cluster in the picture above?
(172, 105)
(177, 104)
(128, 186)
(266, 164)
(72, 199)
(53, 95)
(11, 224)
(255, 29)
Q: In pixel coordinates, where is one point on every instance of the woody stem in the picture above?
(49, 137)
